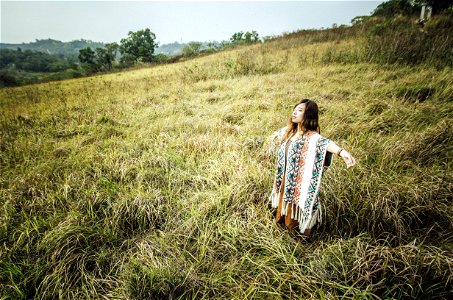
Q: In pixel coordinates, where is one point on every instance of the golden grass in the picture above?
(153, 183)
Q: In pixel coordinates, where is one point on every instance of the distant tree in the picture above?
(191, 49)
(106, 56)
(87, 58)
(244, 38)
(112, 49)
(9, 57)
(225, 44)
(236, 37)
(102, 59)
(31, 61)
(396, 7)
(127, 59)
(251, 37)
(212, 46)
(138, 46)
(162, 58)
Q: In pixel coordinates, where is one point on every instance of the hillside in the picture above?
(153, 183)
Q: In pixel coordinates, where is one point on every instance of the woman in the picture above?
(301, 158)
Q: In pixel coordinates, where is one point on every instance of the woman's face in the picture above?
(298, 113)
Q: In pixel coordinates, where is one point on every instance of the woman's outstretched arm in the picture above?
(347, 157)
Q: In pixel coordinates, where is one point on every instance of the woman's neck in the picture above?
(301, 131)
(298, 133)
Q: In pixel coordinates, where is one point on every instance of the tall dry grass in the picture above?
(153, 183)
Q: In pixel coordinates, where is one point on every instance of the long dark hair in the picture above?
(309, 122)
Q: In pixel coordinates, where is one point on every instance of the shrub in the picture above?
(7, 79)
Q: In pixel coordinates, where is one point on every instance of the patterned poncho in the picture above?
(303, 168)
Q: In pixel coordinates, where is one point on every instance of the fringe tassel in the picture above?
(301, 214)
(320, 214)
(297, 213)
(309, 222)
(273, 199)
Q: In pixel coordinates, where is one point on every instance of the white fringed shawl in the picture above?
(303, 168)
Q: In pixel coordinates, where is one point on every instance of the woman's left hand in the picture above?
(348, 159)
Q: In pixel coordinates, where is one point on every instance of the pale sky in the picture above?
(181, 21)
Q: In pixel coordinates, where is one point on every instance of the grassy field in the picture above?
(153, 183)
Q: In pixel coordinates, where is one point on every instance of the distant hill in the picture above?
(170, 49)
(176, 48)
(69, 50)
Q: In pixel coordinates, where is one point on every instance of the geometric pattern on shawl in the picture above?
(303, 166)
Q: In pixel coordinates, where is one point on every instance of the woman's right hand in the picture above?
(348, 159)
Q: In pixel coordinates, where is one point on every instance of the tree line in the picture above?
(33, 61)
(139, 47)
(409, 7)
